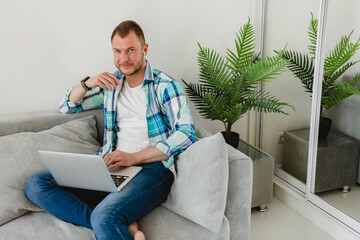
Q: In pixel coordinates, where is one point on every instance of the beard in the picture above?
(137, 67)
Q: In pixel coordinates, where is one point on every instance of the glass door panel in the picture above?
(337, 178)
(287, 25)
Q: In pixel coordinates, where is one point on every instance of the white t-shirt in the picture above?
(131, 119)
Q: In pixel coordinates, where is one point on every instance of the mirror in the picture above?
(287, 25)
(337, 176)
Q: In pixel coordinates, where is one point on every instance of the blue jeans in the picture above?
(108, 214)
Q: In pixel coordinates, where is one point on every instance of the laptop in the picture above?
(87, 171)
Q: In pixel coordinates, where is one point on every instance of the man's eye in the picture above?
(131, 50)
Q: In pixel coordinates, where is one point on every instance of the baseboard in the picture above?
(314, 214)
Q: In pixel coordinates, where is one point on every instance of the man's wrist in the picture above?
(83, 84)
(137, 157)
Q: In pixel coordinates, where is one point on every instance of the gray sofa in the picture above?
(161, 223)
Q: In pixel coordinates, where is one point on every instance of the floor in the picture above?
(281, 222)
(346, 202)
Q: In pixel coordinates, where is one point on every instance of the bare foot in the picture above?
(139, 235)
(135, 232)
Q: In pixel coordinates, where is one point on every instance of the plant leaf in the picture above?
(264, 101)
(245, 45)
(342, 52)
(342, 91)
(312, 33)
(228, 86)
(213, 70)
(302, 66)
(267, 69)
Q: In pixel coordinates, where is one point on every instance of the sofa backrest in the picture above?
(44, 120)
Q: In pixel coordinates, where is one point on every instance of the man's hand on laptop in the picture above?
(119, 158)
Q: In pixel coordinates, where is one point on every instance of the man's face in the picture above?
(129, 54)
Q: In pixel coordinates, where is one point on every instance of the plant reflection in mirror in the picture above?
(334, 89)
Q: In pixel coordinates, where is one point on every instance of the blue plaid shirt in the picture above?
(170, 125)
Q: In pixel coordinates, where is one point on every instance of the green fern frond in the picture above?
(344, 90)
(355, 80)
(235, 112)
(264, 101)
(302, 66)
(332, 79)
(213, 70)
(348, 88)
(229, 86)
(312, 33)
(215, 107)
(342, 53)
(267, 69)
(336, 64)
(245, 45)
(195, 92)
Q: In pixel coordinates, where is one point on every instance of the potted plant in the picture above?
(229, 87)
(334, 89)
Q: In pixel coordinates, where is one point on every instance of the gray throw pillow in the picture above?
(200, 190)
(19, 159)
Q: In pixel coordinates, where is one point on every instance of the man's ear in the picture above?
(146, 47)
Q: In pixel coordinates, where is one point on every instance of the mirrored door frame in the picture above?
(307, 191)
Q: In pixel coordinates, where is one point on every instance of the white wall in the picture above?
(47, 46)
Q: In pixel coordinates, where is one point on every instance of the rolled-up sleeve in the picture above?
(177, 110)
(93, 99)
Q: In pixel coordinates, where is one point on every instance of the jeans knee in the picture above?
(35, 183)
(98, 217)
(102, 216)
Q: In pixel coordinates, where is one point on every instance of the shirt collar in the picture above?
(149, 76)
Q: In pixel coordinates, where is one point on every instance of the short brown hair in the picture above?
(124, 28)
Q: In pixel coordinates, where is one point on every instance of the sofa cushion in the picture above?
(168, 225)
(199, 191)
(44, 120)
(19, 159)
(163, 224)
(43, 226)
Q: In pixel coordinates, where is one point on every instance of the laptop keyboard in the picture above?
(119, 179)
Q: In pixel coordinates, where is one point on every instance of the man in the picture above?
(147, 123)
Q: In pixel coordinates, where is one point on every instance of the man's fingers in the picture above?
(112, 76)
(103, 85)
(107, 160)
(112, 79)
(108, 81)
(105, 80)
(116, 159)
(118, 164)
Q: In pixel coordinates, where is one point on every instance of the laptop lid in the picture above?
(84, 171)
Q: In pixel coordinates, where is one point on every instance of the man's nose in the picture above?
(123, 58)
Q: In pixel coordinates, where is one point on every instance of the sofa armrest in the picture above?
(238, 205)
(239, 195)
